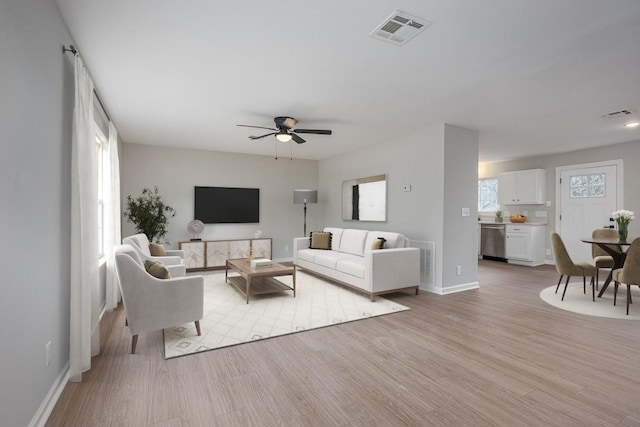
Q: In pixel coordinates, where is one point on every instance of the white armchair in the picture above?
(178, 270)
(141, 243)
(151, 304)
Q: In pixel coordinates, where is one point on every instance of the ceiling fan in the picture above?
(284, 130)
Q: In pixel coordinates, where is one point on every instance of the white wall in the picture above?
(177, 171)
(628, 152)
(36, 83)
(436, 162)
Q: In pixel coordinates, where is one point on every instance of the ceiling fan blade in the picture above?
(257, 127)
(262, 136)
(316, 131)
(296, 138)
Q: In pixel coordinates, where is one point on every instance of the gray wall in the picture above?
(177, 171)
(628, 152)
(36, 83)
(437, 162)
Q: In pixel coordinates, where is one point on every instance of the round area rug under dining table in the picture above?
(578, 302)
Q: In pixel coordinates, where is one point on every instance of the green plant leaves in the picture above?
(149, 214)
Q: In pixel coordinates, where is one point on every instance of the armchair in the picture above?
(151, 304)
(141, 243)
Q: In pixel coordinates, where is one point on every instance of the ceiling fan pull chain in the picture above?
(276, 146)
(291, 145)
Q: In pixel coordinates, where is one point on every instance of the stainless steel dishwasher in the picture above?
(492, 238)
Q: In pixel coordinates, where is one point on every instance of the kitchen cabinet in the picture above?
(524, 244)
(527, 187)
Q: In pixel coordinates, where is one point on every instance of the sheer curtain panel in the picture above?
(112, 219)
(84, 223)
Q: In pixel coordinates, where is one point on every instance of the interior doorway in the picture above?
(586, 196)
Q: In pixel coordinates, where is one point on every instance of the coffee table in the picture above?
(259, 280)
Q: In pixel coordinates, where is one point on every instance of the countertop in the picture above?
(511, 223)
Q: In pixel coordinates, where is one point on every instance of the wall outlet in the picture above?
(540, 214)
(548, 203)
(548, 251)
(286, 248)
(406, 187)
(458, 270)
(47, 354)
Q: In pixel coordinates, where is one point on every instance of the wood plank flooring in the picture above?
(495, 356)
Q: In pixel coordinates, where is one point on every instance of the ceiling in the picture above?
(533, 77)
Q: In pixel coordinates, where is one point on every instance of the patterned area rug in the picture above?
(578, 302)
(229, 320)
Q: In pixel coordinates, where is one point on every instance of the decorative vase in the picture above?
(623, 231)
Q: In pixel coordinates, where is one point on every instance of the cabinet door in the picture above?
(261, 248)
(507, 189)
(528, 187)
(518, 247)
(193, 254)
(238, 248)
(217, 253)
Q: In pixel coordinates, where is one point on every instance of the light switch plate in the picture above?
(465, 212)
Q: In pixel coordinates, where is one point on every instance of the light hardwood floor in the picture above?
(494, 356)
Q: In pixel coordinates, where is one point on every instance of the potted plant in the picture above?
(498, 216)
(149, 214)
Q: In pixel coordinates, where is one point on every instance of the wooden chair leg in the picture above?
(628, 297)
(559, 281)
(584, 284)
(134, 343)
(198, 327)
(565, 288)
(615, 291)
(597, 277)
(593, 290)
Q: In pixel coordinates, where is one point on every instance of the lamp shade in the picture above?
(305, 196)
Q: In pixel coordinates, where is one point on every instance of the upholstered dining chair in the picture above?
(629, 274)
(150, 303)
(600, 258)
(566, 267)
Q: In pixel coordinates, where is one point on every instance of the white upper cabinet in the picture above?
(526, 187)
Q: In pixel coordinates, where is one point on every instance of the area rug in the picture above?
(229, 320)
(578, 302)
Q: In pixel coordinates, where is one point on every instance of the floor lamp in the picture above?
(305, 196)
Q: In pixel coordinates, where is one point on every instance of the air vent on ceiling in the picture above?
(620, 113)
(399, 28)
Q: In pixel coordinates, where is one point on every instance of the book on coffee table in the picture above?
(261, 262)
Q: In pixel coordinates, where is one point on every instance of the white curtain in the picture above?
(112, 219)
(84, 223)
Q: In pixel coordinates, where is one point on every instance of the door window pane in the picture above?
(593, 185)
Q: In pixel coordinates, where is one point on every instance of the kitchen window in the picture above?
(488, 195)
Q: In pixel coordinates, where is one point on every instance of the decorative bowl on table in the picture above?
(518, 218)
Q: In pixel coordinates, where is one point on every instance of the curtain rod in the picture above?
(73, 50)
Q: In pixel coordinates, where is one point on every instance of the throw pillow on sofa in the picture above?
(157, 269)
(157, 249)
(378, 243)
(320, 240)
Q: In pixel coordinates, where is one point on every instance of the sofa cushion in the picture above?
(392, 240)
(352, 266)
(352, 241)
(157, 269)
(157, 249)
(320, 240)
(336, 236)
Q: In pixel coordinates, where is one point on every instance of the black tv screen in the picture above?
(217, 205)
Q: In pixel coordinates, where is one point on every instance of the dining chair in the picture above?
(566, 267)
(600, 258)
(629, 274)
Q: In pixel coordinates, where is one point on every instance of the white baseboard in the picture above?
(46, 407)
(450, 289)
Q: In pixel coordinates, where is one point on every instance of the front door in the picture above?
(588, 197)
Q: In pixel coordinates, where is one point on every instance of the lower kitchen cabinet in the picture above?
(525, 244)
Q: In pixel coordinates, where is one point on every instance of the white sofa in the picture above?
(353, 263)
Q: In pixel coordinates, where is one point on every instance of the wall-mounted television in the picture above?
(219, 205)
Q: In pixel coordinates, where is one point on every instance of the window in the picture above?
(488, 195)
(581, 186)
(102, 148)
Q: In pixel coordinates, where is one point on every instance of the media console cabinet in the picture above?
(213, 254)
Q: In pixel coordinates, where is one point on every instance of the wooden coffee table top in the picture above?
(243, 267)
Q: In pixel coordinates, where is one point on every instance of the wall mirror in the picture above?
(365, 199)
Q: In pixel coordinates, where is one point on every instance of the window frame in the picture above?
(481, 199)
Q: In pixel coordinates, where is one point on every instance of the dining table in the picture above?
(616, 248)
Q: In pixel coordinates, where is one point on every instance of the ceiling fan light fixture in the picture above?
(632, 124)
(283, 137)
